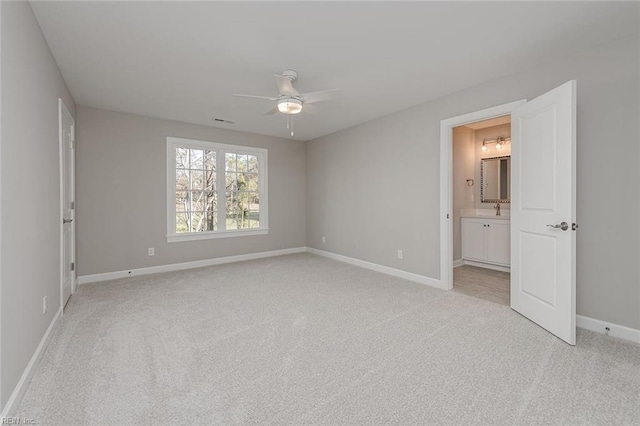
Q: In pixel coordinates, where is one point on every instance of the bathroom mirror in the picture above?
(495, 179)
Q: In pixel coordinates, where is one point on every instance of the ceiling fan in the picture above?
(289, 101)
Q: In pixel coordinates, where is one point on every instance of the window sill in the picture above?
(217, 234)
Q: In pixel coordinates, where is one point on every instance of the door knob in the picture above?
(66, 221)
(564, 226)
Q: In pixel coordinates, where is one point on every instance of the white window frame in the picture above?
(221, 149)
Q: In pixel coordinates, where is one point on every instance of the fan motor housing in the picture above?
(291, 74)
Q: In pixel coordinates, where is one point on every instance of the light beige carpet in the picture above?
(305, 340)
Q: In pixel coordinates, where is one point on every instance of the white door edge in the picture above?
(63, 110)
(446, 167)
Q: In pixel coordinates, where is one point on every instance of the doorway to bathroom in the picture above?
(541, 227)
(480, 184)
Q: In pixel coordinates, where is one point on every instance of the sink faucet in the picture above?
(497, 207)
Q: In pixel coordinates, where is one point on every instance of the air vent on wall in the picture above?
(222, 120)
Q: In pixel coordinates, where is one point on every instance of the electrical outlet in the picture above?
(44, 305)
(152, 251)
(324, 239)
(399, 254)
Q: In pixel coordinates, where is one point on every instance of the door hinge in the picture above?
(574, 226)
(447, 215)
(73, 205)
(73, 266)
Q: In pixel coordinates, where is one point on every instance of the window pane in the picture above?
(197, 158)
(231, 224)
(197, 222)
(182, 179)
(181, 223)
(197, 201)
(230, 162)
(234, 216)
(245, 219)
(197, 179)
(200, 199)
(181, 201)
(252, 181)
(230, 202)
(254, 219)
(211, 221)
(242, 181)
(211, 202)
(210, 180)
(210, 160)
(231, 182)
(253, 164)
(182, 158)
(238, 219)
(253, 203)
(242, 200)
(242, 163)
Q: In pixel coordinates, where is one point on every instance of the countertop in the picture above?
(486, 214)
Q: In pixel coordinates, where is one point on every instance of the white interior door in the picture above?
(67, 258)
(543, 207)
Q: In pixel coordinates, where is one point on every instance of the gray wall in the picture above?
(374, 188)
(31, 86)
(121, 193)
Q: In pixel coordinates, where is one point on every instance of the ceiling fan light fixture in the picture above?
(289, 106)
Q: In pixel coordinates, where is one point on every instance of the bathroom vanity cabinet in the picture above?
(486, 241)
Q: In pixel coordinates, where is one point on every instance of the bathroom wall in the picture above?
(489, 133)
(464, 167)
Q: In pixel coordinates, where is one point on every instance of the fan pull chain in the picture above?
(290, 123)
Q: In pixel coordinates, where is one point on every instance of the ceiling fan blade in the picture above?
(285, 86)
(255, 97)
(272, 111)
(323, 95)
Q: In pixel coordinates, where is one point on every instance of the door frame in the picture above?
(62, 109)
(446, 188)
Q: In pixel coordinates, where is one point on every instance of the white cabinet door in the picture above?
(499, 242)
(473, 239)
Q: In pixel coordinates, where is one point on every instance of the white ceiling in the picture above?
(184, 60)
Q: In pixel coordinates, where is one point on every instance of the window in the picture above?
(215, 190)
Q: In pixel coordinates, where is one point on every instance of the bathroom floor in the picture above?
(482, 283)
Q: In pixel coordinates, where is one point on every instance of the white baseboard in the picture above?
(379, 268)
(85, 279)
(615, 330)
(457, 263)
(487, 266)
(25, 379)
